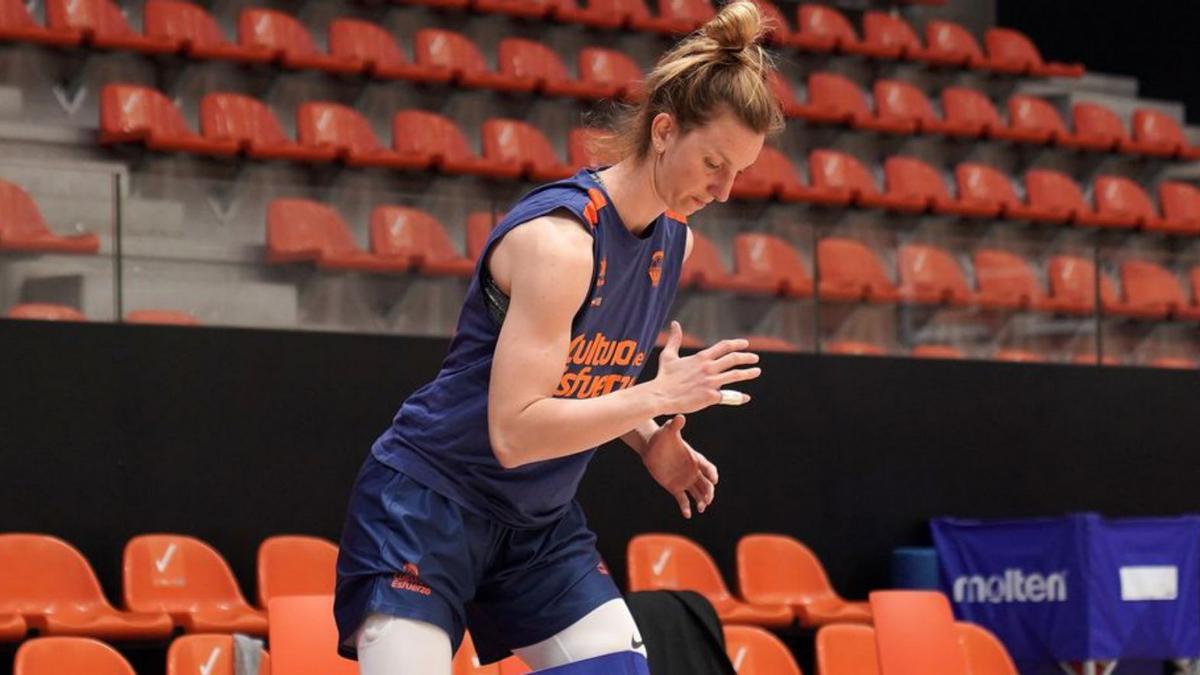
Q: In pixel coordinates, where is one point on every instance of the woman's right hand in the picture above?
(690, 383)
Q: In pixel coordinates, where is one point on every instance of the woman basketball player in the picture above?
(463, 515)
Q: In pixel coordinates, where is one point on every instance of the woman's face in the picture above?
(697, 167)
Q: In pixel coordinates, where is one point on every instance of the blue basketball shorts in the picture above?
(410, 552)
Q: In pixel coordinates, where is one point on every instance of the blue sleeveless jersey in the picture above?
(440, 436)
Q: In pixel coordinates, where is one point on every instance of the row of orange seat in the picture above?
(911, 185)
(902, 108)
(169, 581)
(354, 46)
(48, 311)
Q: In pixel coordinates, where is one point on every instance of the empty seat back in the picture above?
(951, 39)
(99, 17)
(985, 184)
(673, 562)
(1006, 276)
(910, 177)
(850, 264)
(902, 100)
(847, 649)
(240, 118)
(514, 141)
(42, 574)
(885, 30)
(1151, 286)
(930, 274)
(321, 124)
(188, 24)
(1092, 120)
(915, 635)
(1073, 280)
(754, 651)
(423, 132)
(767, 257)
(777, 569)
(275, 31)
(986, 655)
(63, 655)
(1180, 202)
(132, 112)
(409, 232)
(1034, 114)
(1055, 192)
(838, 94)
(608, 66)
(295, 565)
(304, 638)
(825, 21)
(1118, 195)
(832, 169)
(44, 311)
(969, 107)
(363, 41)
(704, 265)
(448, 49)
(207, 654)
(1158, 128)
(523, 58)
(301, 229)
(174, 574)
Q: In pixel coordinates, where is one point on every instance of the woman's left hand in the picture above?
(679, 469)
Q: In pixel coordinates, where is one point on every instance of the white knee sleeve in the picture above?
(605, 630)
(392, 645)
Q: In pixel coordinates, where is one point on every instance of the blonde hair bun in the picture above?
(738, 25)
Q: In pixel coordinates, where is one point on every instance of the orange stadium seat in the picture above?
(824, 27)
(936, 351)
(1121, 199)
(949, 44)
(524, 9)
(303, 637)
(912, 181)
(53, 587)
(777, 569)
(776, 30)
(418, 239)
(931, 275)
(300, 230)
(1017, 355)
(833, 98)
(289, 42)
(523, 59)
(688, 341)
(16, 23)
(1007, 281)
(1012, 52)
(195, 32)
(23, 229)
(847, 649)
(429, 139)
(772, 175)
(1152, 290)
(169, 317)
(43, 311)
(674, 16)
(581, 149)
(854, 348)
(253, 126)
(892, 35)
(326, 127)
(754, 651)
(969, 113)
(295, 565)
(1180, 207)
(770, 343)
(1041, 122)
(100, 23)
(839, 177)
(479, 228)
(1072, 284)
(850, 271)
(135, 114)
(596, 13)
(609, 72)
(915, 634)
(378, 53)
(516, 143)
(985, 653)
(1156, 133)
(189, 580)
(770, 265)
(905, 104)
(456, 53)
(1174, 363)
(667, 561)
(1059, 198)
(705, 269)
(12, 628)
(207, 654)
(782, 89)
(986, 188)
(62, 655)
(1101, 128)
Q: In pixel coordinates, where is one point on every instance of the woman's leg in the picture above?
(391, 645)
(605, 630)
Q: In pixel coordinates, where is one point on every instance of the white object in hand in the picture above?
(731, 397)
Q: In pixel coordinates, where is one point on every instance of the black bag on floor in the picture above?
(682, 633)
